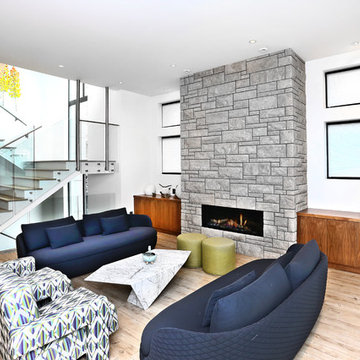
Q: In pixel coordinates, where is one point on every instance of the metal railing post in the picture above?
(77, 126)
(107, 129)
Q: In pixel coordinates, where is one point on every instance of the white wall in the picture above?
(138, 154)
(326, 193)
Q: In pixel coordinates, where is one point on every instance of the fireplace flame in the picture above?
(230, 223)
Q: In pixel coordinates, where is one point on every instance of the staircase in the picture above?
(25, 182)
(29, 186)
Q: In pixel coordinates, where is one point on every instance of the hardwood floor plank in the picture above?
(334, 337)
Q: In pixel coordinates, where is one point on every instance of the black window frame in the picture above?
(162, 154)
(326, 86)
(327, 149)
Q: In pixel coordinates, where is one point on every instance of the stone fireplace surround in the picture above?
(243, 145)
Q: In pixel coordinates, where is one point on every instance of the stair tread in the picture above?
(36, 169)
(9, 198)
(4, 210)
(33, 178)
(20, 187)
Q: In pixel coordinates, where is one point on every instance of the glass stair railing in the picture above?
(25, 182)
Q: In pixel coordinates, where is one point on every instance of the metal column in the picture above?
(107, 129)
(77, 125)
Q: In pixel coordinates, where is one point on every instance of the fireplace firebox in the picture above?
(243, 221)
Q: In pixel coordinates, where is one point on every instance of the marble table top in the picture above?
(147, 280)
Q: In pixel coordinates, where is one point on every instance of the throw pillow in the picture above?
(91, 222)
(35, 236)
(225, 291)
(116, 224)
(288, 256)
(253, 302)
(64, 235)
(303, 263)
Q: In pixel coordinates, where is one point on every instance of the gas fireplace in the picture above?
(244, 221)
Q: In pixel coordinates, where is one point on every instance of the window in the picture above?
(171, 155)
(342, 87)
(343, 150)
(171, 114)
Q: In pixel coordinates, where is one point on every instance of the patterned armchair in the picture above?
(76, 323)
(45, 283)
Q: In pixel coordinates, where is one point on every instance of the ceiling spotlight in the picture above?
(120, 82)
(61, 66)
(173, 65)
(252, 42)
(355, 43)
(187, 71)
(263, 49)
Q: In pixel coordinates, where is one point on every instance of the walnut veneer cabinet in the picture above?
(337, 233)
(165, 213)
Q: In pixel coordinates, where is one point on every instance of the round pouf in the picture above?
(192, 242)
(218, 255)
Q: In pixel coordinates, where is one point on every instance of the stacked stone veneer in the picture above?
(243, 139)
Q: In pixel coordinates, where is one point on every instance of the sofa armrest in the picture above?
(20, 246)
(75, 310)
(139, 220)
(22, 267)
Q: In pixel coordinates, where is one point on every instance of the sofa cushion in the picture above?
(193, 305)
(35, 236)
(60, 236)
(91, 245)
(225, 291)
(116, 224)
(288, 256)
(253, 302)
(91, 222)
(303, 263)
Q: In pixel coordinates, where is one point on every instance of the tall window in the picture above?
(170, 145)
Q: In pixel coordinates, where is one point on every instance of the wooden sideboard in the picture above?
(337, 233)
(165, 213)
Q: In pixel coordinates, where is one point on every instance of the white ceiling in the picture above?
(103, 42)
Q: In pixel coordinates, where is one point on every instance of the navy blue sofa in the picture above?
(177, 333)
(92, 252)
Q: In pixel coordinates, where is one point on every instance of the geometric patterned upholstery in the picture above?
(74, 323)
(45, 283)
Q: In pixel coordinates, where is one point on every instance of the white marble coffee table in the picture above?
(147, 281)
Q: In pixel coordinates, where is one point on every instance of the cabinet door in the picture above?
(145, 206)
(343, 242)
(313, 228)
(168, 216)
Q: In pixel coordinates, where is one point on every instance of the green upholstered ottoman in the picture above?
(192, 242)
(218, 255)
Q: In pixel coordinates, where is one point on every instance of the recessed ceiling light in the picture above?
(173, 65)
(252, 41)
(61, 66)
(187, 71)
(263, 49)
(355, 43)
(120, 82)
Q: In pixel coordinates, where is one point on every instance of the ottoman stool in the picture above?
(192, 242)
(218, 255)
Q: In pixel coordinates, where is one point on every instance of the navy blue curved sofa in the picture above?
(177, 333)
(92, 251)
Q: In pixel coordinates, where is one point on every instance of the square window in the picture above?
(343, 150)
(171, 114)
(342, 87)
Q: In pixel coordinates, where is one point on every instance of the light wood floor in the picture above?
(335, 336)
